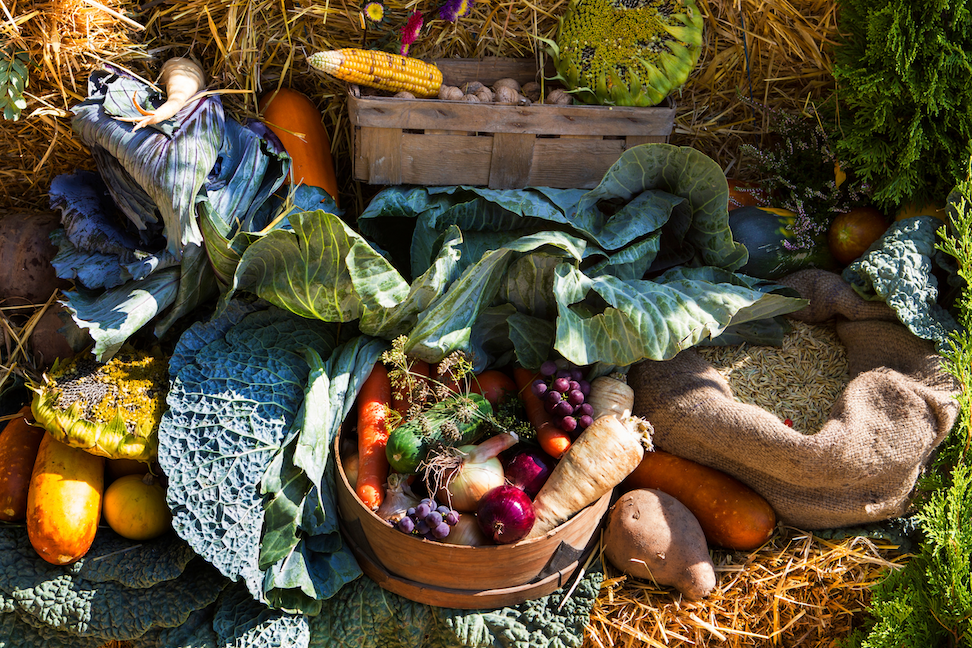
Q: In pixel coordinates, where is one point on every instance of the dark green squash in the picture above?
(765, 231)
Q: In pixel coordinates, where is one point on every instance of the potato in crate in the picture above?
(478, 133)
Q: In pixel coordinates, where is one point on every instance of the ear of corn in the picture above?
(382, 70)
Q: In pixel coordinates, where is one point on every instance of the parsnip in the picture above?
(604, 454)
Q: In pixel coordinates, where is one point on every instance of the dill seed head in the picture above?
(450, 431)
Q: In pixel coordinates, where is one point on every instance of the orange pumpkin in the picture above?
(294, 118)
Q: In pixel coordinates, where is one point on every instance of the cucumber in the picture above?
(410, 442)
(765, 231)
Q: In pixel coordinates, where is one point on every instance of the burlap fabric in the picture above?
(861, 466)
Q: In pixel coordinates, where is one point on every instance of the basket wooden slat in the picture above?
(462, 576)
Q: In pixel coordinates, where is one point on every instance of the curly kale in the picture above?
(370, 617)
(899, 270)
(119, 591)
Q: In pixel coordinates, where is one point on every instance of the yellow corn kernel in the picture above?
(382, 70)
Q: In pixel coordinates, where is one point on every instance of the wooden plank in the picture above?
(377, 155)
(445, 159)
(539, 119)
(512, 157)
(572, 163)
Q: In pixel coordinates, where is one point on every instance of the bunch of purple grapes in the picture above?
(428, 520)
(564, 391)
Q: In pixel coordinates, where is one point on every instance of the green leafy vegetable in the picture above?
(13, 81)
(898, 269)
(257, 396)
(366, 616)
(117, 591)
(320, 269)
(585, 271)
(133, 269)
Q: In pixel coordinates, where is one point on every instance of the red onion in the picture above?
(479, 471)
(528, 470)
(506, 514)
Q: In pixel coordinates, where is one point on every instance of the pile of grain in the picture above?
(799, 381)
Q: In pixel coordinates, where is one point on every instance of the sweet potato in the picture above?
(731, 514)
(651, 535)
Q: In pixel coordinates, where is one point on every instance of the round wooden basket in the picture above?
(458, 576)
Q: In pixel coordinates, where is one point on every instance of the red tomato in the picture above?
(851, 233)
(494, 385)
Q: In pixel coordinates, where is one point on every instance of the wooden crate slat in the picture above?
(434, 142)
(379, 152)
(567, 162)
(446, 159)
(512, 158)
(540, 119)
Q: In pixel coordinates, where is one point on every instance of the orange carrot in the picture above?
(553, 440)
(402, 399)
(373, 407)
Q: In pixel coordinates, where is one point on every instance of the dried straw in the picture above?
(775, 52)
(797, 590)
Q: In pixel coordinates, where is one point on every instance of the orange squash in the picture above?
(294, 118)
(19, 442)
(135, 507)
(64, 501)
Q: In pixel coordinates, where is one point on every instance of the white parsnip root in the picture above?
(604, 454)
(183, 79)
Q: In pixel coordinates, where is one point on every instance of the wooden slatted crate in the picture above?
(436, 142)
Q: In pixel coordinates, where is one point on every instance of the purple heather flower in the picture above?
(410, 31)
(453, 10)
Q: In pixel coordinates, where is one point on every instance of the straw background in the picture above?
(796, 591)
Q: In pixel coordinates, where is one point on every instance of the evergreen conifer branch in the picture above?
(904, 79)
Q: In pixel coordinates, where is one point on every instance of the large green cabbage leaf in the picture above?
(319, 268)
(257, 397)
(640, 267)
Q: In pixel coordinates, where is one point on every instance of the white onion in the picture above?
(480, 472)
(467, 532)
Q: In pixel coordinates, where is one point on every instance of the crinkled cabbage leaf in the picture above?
(257, 395)
(118, 591)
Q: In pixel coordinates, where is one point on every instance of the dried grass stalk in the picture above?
(797, 590)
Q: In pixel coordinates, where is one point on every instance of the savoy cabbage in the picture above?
(256, 398)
